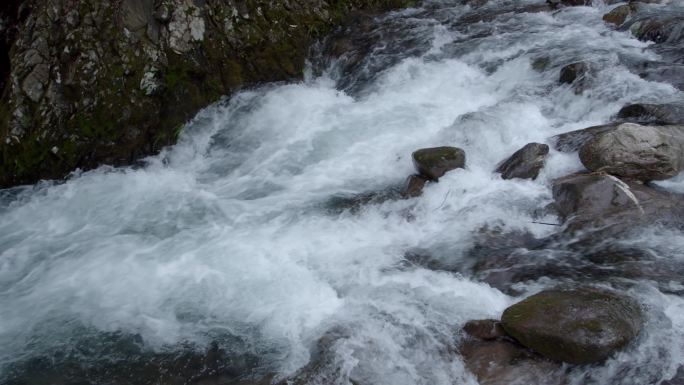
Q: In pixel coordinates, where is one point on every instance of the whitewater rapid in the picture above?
(236, 235)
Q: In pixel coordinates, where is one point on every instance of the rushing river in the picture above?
(273, 222)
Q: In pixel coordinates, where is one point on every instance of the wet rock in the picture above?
(487, 329)
(575, 74)
(354, 203)
(568, 3)
(540, 64)
(659, 27)
(35, 83)
(434, 162)
(503, 362)
(573, 140)
(525, 163)
(636, 152)
(604, 201)
(662, 114)
(414, 186)
(571, 72)
(579, 326)
(618, 15)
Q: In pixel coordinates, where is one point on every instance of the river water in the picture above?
(274, 220)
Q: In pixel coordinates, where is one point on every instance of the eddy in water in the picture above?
(538, 239)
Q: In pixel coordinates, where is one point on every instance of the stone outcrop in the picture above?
(578, 326)
(636, 152)
(525, 163)
(90, 82)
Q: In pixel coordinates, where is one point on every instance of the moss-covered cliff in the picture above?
(91, 82)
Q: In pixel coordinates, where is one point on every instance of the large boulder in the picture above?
(603, 201)
(525, 163)
(434, 162)
(579, 326)
(636, 152)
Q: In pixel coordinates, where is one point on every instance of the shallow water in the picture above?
(239, 238)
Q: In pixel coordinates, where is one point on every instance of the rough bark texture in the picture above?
(90, 82)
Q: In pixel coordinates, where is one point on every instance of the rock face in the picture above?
(433, 163)
(637, 152)
(90, 82)
(579, 326)
(525, 163)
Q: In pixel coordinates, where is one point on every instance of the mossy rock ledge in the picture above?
(578, 326)
(91, 82)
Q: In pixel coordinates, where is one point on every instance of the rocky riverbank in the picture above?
(86, 83)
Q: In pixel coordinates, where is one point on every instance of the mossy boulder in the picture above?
(579, 326)
(434, 162)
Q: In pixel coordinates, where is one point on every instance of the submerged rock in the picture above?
(414, 186)
(503, 362)
(576, 75)
(662, 114)
(637, 152)
(569, 3)
(434, 162)
(525, 163)
(659, 27)
(578, 326)
(487, 329)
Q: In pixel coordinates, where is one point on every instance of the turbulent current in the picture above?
(274, 225)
